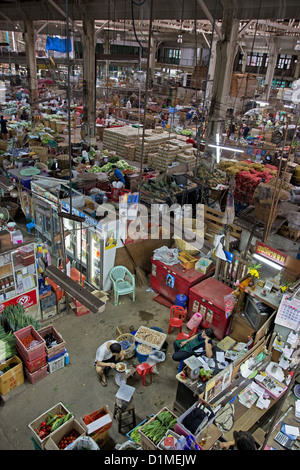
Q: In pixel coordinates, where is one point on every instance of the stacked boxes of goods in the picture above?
(188, 157)
(152, 143)
(167, 154)
(115, 139)
(55, 348)
(32, 349)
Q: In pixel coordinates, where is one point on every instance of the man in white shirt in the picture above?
(106, 357)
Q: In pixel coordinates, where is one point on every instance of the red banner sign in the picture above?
(26, 300)
(270, 253)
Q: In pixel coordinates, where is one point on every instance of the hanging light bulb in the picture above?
(179, 38)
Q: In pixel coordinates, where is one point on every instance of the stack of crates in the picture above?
(34, 358)
(55, 353)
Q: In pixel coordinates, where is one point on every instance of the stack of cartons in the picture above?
(166, 156)
(115, 139)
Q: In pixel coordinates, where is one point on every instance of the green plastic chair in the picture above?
(122, 286)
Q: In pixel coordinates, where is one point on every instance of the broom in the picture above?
(140, 275)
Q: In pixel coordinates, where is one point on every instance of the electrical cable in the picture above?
(134, 2)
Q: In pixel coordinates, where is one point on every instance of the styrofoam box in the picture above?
(179, 424)
(59, 408)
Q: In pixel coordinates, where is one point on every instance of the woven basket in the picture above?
(42, 153)
(129, 348)
(63, 161)
(53, 125)
(61, 126)
(12, 208)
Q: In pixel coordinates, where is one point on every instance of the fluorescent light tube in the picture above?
(267, 261)
(226, 148)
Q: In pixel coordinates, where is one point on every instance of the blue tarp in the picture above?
(58, 44)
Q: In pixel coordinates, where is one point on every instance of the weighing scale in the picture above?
(124, 396)
(121, 374)
(193, 367)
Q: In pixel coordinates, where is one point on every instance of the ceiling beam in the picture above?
(207, 13)
(75, 26)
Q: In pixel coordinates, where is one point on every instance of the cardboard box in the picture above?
(13, 377)
(58, 408)
(98, 429)
(57, 436)
(203, 265)
(5, 240)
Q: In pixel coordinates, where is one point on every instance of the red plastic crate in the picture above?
(37, 375)
(33, 366)
(32, 353)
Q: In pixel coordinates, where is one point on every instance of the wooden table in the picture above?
(212, 434)
(288, 418)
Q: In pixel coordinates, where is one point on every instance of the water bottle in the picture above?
(67, 359)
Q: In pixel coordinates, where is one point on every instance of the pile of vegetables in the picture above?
(7, 344)
(160, 188)
(14, 318)
(68, 439)
(156, 428)
(121, 164)
(51, 423)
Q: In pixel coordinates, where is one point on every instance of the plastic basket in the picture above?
(32, 353)
(143, 335)
(59, 363)
(35, 364)
(54, 350)
(141, 357)
(128, 344)
(37, 375)
(137, 426)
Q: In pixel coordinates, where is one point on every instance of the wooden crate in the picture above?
(146, 443)
(213, 220)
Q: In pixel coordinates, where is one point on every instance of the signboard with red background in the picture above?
(26, 300)
(270, 253)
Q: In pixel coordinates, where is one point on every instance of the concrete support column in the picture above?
(106, 50)
(297, 68)
(244, 65)
(211, 69)
(271, 68)
(225, 54)
(153, 46)
(29, 37)
(89, 81)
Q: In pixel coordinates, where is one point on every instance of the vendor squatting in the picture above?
(151, 459)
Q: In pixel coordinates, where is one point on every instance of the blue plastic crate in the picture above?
(53, 358)
(143, 422)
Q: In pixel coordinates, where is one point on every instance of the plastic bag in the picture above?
(229, 300)
(187, 443)
(83, 443)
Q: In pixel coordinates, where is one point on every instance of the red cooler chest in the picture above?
(170, 281)
(208, 299)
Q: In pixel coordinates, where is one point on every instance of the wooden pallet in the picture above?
(227, 275)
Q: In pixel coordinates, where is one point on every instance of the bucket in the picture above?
(140, 357)
(181, 300)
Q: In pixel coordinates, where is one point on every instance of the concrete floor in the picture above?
(77, 386)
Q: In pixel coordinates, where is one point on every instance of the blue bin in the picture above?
(181, 300)
(155, 328)
(141, 357)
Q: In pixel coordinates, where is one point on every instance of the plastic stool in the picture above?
(30, 225)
